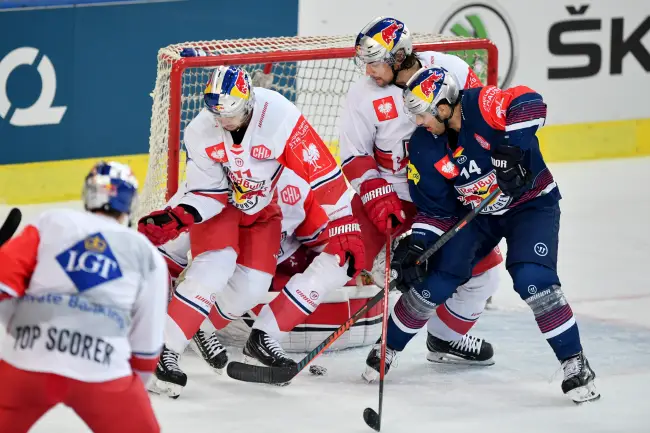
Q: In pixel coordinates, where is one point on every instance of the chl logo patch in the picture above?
(90, 262)
(260, 152)
(290, 194)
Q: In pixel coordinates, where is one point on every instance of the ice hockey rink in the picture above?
(604, 255)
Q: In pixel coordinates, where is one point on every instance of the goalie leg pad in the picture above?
(301, 296)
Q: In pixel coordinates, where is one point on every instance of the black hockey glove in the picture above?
(402, 266)
(512, 177)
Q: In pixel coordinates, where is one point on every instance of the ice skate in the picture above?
(211, 350)
(578, 381)
(168, 379)
(373, 362)
(468, 350)
(263, 349)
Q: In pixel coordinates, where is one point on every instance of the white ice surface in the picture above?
(604, 253)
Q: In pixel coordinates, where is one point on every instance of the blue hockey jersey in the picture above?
(446, 177)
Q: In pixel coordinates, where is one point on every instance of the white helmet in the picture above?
(381, 39)
(427, 88)
(229, 92)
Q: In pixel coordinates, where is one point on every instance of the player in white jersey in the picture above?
(237, 147)
(87, 327)
(301, 283)
(374, 134)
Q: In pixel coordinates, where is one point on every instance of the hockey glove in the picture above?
(402, 266)
(162, 226)
(512, 177)
(345, 242)
(381, 202)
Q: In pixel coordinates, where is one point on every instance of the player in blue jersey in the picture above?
(491, 143)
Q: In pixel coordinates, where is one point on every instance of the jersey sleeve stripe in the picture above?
(356, 167)
(527, 124)
(438, 225)
(323, 180)
(8, 290)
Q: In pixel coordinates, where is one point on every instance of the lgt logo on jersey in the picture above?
(385, 108)
(260, 152)
(290, 194)
(217, 152)
(447, 168)
(90, 262)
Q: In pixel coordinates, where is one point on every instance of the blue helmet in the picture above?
(110, 186)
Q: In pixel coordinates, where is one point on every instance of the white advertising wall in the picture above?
(589, 60)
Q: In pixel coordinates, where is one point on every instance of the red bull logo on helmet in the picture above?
(388, 35)
(426, 87)
(240, 87)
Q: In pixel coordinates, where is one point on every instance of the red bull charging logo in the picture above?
(387, 36)
(426, 90)
(240, 88)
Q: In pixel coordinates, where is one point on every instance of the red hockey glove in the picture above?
(162, 226)
(380, 202)
(346, 243)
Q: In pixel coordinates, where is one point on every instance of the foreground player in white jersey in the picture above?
(237, 148)
(89, 316)
(374, 136)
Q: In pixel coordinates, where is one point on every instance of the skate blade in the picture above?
(584, 394)
(370, 375)
(161, 387)
(253, 361)
(446, 358)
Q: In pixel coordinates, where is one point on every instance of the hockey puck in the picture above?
(317, 370)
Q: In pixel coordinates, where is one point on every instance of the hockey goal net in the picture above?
(313, 72)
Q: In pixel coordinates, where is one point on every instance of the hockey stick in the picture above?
(276, 375)
(10, 225)
(368, 413)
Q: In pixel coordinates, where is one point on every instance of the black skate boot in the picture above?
(468, 350)
(211, 350)
(264, 349)
(578, 381)
(169, 378)
(373, 362)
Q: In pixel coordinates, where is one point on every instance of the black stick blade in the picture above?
(372, 418)
(10, 225)
(260, 374)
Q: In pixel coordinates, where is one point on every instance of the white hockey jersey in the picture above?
(375, 129)
(303, 219)
(246, 173)
(92, 297)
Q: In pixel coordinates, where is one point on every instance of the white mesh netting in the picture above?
(313, 72)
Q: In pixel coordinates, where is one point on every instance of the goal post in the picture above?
(313, 72)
